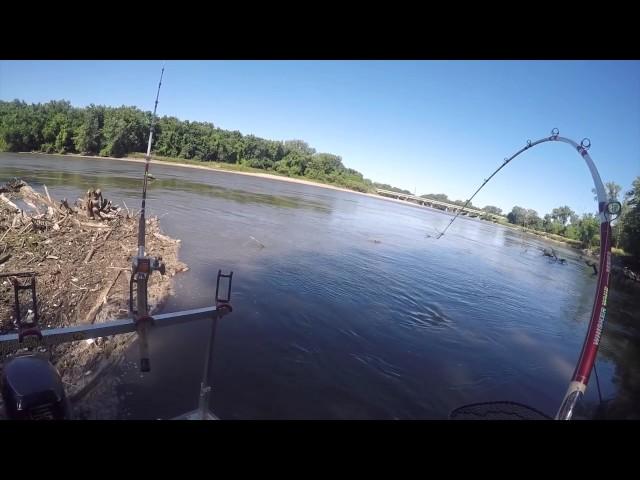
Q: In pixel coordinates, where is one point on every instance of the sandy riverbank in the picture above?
(215, 169)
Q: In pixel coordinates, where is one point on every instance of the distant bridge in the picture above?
(428, 202)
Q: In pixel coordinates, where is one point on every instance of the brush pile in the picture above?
(81, 256)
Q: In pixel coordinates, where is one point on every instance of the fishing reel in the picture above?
(141, 268)
(612, 210)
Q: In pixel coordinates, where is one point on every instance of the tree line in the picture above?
(563, 221)
(58, 127)
(586, 228)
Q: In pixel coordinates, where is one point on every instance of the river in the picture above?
(347, 306)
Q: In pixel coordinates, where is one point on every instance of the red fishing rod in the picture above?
(607, 211)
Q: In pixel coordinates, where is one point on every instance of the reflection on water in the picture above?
(132, 184)
(345, 308)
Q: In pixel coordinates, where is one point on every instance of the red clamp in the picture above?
(29, 332)
(226, 306)
(142, 319)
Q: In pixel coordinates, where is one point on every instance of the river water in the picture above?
(346, 306)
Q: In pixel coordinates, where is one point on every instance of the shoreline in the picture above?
(299, 181)
(267, 176)
(209, 168)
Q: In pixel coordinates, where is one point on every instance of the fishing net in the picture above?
(497, 411)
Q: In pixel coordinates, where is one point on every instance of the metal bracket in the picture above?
(227, 297)
(27, 325)
(54, 336)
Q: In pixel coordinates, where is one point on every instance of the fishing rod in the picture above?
(554, 136)
(142, 265)
(607, 211)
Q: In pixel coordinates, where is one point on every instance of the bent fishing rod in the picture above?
(142, 265)
(607, 211)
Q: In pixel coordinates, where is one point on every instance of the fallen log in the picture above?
(102, 299)
(93, 225)
(95, 247)
(8, 202)
(46, 190)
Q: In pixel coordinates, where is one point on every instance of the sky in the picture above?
(425, 126)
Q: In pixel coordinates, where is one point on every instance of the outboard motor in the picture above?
(32, 390)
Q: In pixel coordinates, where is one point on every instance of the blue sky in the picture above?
(429, 126)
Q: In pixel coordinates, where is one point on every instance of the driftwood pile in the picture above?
(81, 254)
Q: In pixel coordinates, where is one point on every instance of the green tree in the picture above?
(125, 130)
(22, 126)
(562, 214)
(300, 147)
(492, 209)
(587, 230)
(88, 139)
(532, 220)
(517, 215)
(169, 137)
(293, 163)
(630, 240)
(322, 165)
(573, 219)
(612, 190)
